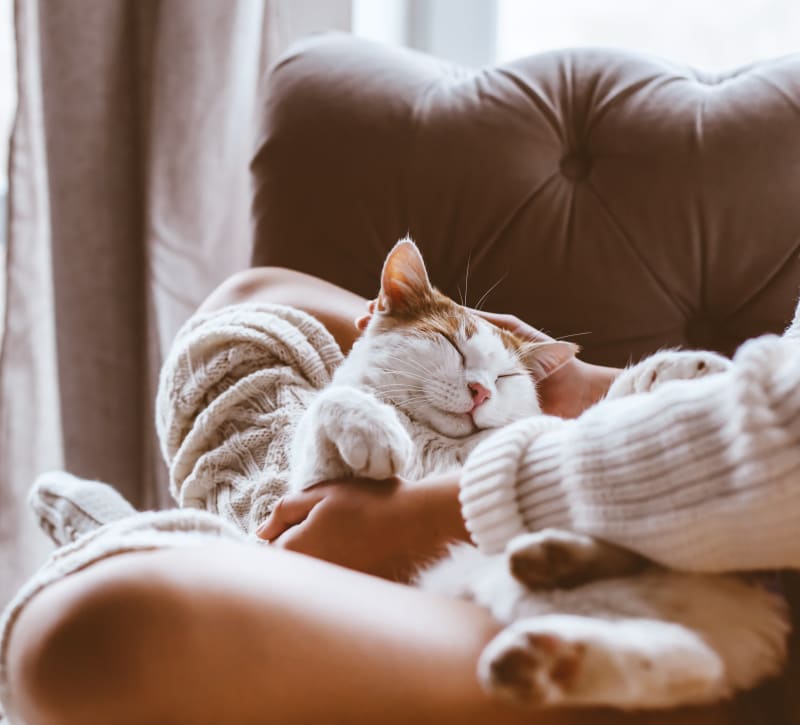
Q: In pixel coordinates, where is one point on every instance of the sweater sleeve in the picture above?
(231, 390)
(699, 474)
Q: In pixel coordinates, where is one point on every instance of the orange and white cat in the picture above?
(587, 623)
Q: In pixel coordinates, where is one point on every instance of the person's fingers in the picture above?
(515, 325)
(306, 537)
(507, 322)
(288, 512)
(297, 539)
(362, 322)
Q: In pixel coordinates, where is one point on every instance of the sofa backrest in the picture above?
(619, 198)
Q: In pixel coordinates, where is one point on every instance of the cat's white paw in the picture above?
(667, 365)
(348, 432)
(531, 668)
(376, 447)
(565, 660)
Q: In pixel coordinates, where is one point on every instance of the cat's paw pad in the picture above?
(551, 558)
(664, 366)
(377, 452)
(629, 663)
(531, 668)
(555, 558)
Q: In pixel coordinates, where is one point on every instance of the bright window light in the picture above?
(710, 35)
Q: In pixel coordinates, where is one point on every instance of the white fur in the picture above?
(402, 399)
(398, 406)
(666, 366)
(663, 638)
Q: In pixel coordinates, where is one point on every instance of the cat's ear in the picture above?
(404, 281)
(544, 358)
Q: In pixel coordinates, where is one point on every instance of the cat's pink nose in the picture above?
(479, 394)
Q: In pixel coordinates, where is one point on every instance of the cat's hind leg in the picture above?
(568, 660)
(560, 559)
(664, 366)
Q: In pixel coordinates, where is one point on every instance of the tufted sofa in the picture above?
(623, 199)
(632, 201)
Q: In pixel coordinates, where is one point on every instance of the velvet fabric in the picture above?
(621, 199)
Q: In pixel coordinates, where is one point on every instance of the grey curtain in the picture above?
(129, 201)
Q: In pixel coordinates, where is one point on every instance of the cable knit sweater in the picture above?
(232, 388)
(699, 475)
(669, 474)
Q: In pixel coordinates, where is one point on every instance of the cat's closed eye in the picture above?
(457, 348)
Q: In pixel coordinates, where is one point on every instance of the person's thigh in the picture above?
(235, 634)
(335, 307)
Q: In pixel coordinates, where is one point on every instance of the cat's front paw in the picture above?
(361, 435)
(664, 366)
(373, 448)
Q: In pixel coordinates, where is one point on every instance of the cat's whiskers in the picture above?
(416, 363)
(419, 370)
(413, 401)
(489, 291)
(401, 373)
(466, 278)
(397, 389)
(463, 295)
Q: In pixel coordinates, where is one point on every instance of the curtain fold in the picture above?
(129, 200)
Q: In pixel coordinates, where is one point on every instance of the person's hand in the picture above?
(386, 528)
(566, 392)
(572, 388)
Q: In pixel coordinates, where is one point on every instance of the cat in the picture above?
(587, 623)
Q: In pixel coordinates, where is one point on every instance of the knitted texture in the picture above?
(68, 507)
(231, 391)
(700, 474)
(147, 531)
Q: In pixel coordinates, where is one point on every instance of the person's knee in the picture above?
(80, 648)
(262, 284)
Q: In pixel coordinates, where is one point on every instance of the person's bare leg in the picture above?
(239, 634)
(335, 307)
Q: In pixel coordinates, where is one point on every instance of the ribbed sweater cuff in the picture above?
(490, 495)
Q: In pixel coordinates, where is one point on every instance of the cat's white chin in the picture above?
(452, 425)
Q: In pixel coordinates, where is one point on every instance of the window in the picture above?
(711, 35)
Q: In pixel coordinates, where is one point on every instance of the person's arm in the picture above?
(699, 475)
(386, 528)
(571, 389)
(390, 528)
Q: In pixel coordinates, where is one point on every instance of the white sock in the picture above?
(68, 506)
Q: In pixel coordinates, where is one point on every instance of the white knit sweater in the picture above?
(232, 388)
(700, 475)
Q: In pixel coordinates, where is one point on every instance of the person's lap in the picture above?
(237, 633)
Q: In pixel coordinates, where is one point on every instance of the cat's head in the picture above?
(444, 365)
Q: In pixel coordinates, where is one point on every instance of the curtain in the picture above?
(129, 202)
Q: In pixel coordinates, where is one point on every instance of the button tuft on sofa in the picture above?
(576, 165)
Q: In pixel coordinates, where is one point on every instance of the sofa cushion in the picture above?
(620, 198)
